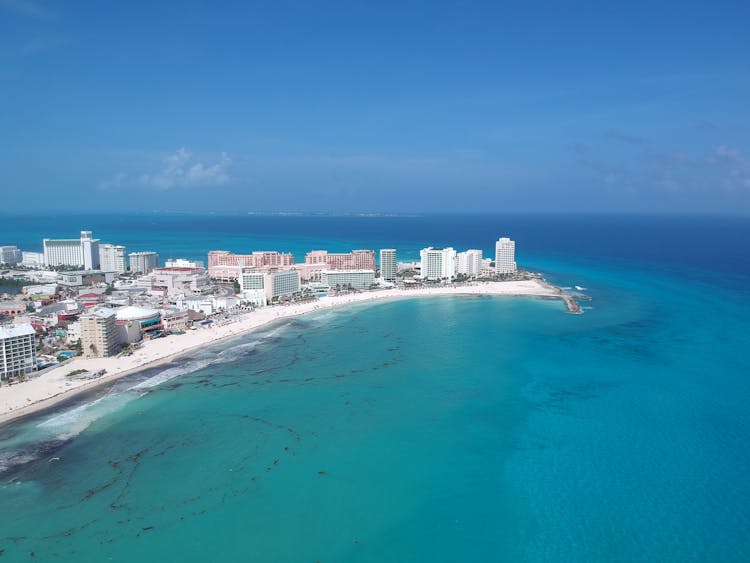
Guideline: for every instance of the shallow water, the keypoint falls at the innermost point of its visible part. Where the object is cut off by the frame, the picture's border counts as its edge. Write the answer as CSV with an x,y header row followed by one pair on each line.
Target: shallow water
x,y
438,429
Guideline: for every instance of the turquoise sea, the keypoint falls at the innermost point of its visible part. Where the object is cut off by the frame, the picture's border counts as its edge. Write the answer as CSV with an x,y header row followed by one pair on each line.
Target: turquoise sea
x,y
435,429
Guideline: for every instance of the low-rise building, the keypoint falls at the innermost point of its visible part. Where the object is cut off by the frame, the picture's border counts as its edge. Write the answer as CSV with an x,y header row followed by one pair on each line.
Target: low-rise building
x,y
40,289
73,332
487,270
85,277
32,259
173,281
17,351
183,263
174,319
353,279
147,319
12,308
129,332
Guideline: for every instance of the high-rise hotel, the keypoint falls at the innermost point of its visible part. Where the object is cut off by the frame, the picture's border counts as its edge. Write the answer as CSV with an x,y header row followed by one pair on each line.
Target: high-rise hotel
x,y
143,262
112,258
83,252
17,351
99,337
505,256
469,263
388,265
438,263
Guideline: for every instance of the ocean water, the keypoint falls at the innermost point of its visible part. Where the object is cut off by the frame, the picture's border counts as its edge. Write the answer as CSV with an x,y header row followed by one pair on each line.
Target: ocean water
x,y
436,429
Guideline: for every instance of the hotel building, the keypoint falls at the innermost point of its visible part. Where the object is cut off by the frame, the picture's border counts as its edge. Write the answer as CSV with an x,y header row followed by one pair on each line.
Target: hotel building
x,y
282,283
505,256
32,259
469,263
17,351
354,260
356,279
86,277
112,258
143,262
438,263
273,284
226,266
388,264
83,252
99,334
173,281
10,255
182,263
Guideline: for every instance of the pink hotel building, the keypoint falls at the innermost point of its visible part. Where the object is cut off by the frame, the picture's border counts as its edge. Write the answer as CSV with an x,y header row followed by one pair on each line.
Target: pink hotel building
x,y
354,260
227,266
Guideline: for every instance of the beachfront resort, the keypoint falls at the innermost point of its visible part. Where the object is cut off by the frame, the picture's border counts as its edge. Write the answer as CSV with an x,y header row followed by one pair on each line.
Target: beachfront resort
x,y
79,313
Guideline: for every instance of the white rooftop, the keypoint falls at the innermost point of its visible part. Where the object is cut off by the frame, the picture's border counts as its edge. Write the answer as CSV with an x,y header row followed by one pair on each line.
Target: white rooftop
x,y
102,313
20,330
132,313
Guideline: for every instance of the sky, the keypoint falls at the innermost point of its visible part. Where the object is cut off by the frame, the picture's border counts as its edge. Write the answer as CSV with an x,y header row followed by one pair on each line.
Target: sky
x,y
353,106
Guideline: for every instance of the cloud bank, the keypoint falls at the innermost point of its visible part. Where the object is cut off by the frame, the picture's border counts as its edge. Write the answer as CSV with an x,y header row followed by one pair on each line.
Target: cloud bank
x,y
179,170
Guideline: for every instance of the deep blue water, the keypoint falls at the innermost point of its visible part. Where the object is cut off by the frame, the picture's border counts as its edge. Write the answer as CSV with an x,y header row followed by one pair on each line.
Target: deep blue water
x,y
459,429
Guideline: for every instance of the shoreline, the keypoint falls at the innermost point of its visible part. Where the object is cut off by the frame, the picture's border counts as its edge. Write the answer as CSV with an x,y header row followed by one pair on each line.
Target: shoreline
x,y
37,394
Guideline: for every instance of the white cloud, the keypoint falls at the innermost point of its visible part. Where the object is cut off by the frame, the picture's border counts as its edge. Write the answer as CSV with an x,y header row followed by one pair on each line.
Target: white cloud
x,y
736,167
26,7
179,170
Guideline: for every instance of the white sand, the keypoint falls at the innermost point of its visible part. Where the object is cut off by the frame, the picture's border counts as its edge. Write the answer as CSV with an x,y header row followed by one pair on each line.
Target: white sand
x,y
45,390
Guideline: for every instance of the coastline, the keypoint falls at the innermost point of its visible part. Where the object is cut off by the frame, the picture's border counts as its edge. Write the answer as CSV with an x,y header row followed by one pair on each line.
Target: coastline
x,y
43,392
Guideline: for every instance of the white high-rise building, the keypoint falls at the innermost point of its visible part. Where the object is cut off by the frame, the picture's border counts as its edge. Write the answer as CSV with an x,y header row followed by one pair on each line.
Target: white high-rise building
x,y
143,262
10,255
438,263
89,251
17,351
469,263
505,256
273,284
252,287
388,264
112,258
281,283
83,252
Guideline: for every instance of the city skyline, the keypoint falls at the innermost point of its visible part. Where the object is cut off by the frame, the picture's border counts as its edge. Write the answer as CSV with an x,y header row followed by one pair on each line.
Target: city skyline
x,y
375,108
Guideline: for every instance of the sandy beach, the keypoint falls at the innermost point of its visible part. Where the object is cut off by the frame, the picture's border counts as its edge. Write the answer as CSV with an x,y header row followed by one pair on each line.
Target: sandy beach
x,y
55,386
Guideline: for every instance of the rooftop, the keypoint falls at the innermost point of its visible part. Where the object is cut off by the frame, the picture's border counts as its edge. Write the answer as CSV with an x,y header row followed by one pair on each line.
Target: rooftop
x,y
102,313
131,313
20,330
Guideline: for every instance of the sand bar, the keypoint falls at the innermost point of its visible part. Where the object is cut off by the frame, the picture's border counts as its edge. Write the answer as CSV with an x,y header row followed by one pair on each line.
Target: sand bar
x,y
46,390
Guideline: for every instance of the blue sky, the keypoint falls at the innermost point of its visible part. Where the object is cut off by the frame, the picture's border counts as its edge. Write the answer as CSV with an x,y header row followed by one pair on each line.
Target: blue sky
x,y
375,106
